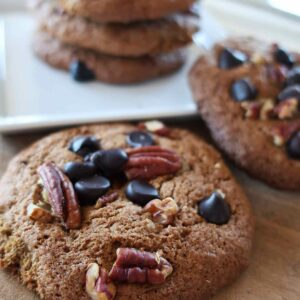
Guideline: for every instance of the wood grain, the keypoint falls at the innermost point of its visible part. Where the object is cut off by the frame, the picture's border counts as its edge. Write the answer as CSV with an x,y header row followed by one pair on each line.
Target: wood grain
x,y
275,269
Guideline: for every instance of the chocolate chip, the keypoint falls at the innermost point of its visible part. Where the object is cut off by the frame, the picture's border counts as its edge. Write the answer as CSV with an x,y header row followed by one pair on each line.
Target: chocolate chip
x,y
243,90
140,139
293,76
76,170
110,161
293,146
214,209
80,72
230,58
140,192
283,57
292,91
89,190
83,145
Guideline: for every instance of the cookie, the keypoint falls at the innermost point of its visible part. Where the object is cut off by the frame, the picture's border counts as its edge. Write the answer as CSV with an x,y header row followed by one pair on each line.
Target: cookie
x,y
248,94
124,12
123,211
136,39
89,65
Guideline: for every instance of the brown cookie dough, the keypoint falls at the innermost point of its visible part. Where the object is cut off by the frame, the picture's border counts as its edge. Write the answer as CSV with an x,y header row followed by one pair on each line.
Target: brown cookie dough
x,y
253,133
124,11
106,68
53,261
135,39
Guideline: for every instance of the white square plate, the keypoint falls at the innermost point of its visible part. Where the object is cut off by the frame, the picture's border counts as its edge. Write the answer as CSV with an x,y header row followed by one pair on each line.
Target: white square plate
x,y
33,95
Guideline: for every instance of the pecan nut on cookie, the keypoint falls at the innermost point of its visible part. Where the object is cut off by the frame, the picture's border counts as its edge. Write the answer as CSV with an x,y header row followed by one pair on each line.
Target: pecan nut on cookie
x,y
116,211
248,93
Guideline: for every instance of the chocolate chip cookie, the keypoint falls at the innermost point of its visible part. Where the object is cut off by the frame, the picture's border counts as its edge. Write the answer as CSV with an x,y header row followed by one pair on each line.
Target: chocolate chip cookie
x,y
248,93
135,39
124,11
86,65
120,211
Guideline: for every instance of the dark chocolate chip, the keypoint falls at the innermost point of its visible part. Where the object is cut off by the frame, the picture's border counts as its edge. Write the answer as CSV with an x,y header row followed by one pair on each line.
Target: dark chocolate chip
x,y
140,192
76,170
243,90
289,92
283,57
293,146
230,58
84,145
214,209
89,190
293,76
110,161
139,139
80,72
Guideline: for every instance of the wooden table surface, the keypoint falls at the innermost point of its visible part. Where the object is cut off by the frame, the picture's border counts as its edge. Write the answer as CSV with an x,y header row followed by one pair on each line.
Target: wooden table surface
x,y
275,269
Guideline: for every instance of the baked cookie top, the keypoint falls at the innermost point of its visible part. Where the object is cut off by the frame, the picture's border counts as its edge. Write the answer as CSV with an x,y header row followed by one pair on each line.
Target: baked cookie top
x,y
248,93
124,11
125,212
134,39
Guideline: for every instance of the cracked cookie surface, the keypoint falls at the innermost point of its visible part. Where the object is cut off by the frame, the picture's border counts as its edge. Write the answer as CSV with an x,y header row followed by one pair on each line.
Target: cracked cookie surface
x,y
110,69
124,11
53,261
136,39
253,128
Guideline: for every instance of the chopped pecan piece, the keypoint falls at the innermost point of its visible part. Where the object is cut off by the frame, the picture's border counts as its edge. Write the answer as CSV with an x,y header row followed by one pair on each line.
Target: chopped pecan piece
x,y
60,194
252,109
38,213
267,109
156,127
162,211
277,73
98,285
282,133
287,109
102,201
136,266
151,162
258,59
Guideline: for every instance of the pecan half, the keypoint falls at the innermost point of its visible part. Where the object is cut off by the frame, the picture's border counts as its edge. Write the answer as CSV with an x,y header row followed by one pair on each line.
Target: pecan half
x,y
156,127
98,285
151,162
134,266
162,211
59,192
282,133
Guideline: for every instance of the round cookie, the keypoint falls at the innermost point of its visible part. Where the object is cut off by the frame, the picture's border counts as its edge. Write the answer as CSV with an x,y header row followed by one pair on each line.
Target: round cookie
x,y
194,257
242,91
136,39
124,11
106,68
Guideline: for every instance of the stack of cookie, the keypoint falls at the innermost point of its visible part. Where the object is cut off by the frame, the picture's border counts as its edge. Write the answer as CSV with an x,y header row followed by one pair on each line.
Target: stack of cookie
x,y
112,40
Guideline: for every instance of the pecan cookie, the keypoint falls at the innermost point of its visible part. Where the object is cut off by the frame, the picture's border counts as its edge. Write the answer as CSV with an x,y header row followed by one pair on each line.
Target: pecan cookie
x,y
135,39
119,211
124,11
86,65
248,93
